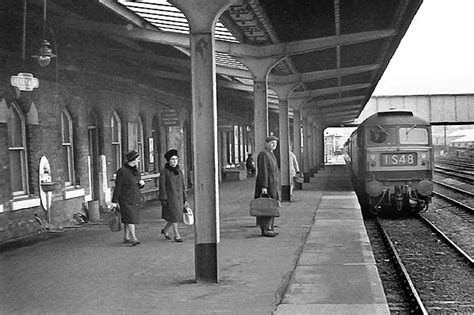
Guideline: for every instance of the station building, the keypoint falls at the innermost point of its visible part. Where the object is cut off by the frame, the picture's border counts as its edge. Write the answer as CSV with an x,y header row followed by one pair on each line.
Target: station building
x,y
83,111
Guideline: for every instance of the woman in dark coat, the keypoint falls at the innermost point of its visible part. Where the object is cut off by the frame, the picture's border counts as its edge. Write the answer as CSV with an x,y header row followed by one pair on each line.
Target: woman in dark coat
x,y
267,182
127,196
172,194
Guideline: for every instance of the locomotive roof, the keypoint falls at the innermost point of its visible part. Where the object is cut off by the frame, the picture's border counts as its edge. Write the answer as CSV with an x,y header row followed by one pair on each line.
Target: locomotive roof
x,y
394,118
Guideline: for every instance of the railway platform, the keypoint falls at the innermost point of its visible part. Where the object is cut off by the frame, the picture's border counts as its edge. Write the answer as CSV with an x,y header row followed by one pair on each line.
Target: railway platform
x,y
320,263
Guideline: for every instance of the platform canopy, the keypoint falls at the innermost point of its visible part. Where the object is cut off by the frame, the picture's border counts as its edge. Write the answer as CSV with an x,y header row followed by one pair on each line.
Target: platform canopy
x,y
335,50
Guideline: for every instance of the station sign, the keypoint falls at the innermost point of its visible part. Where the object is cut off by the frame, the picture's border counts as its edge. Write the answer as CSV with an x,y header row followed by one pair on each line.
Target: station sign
x,y
170,117
24,81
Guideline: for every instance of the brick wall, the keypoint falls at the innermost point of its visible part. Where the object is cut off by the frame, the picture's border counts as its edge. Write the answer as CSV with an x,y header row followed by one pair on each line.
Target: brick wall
x,y
43,137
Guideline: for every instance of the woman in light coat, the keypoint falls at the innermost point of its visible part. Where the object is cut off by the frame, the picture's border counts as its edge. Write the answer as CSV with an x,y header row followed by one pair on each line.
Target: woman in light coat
x,y
172,195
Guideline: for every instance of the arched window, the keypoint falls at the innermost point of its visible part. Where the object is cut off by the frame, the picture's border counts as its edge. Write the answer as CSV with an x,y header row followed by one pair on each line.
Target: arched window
x,y
116,129
141,147
17,151
68,152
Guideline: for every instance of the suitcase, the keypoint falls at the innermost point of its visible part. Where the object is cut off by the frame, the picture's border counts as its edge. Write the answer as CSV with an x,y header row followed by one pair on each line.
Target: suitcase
x,y
265,207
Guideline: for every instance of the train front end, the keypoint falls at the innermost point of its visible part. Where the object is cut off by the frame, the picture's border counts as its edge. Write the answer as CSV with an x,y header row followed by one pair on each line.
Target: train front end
x,y
399,164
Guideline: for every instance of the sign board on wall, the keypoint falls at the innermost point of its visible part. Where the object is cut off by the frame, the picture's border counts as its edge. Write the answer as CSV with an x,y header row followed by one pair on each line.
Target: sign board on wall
x,y
24,81
151,149
170,117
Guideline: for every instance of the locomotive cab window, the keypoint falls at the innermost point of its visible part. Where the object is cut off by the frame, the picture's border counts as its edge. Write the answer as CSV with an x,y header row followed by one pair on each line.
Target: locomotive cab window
x,y
381,135
413,135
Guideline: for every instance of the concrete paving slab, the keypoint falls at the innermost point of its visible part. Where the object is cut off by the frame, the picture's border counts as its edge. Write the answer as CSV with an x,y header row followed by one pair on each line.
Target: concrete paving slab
x,y
350,284
339,203
331,309
336,231
337,255
340,214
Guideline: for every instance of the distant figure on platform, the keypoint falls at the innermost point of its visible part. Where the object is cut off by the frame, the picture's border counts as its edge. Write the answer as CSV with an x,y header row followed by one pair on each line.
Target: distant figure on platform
x,y
267,182
250,164
294,170
172,195
127,196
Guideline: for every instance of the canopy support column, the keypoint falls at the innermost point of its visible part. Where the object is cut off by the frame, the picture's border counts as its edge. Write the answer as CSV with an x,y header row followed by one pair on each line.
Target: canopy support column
x,y
202,15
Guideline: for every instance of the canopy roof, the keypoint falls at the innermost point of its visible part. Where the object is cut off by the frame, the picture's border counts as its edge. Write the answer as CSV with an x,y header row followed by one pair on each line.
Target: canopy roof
x,y
333,52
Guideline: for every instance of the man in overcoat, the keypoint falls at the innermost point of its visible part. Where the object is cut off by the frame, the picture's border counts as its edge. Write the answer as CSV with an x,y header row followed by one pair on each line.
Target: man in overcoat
x,y
267,182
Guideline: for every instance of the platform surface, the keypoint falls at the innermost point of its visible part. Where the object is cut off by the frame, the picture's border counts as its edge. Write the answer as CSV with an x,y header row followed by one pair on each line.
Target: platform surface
x,y
320,263
336,271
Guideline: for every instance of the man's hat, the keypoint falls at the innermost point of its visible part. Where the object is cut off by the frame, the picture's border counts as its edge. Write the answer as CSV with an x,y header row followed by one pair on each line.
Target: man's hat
x,y
132,155
271,138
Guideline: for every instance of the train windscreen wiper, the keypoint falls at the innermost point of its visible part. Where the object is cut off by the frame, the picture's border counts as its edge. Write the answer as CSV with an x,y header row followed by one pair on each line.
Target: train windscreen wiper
x,y
383,130
411,128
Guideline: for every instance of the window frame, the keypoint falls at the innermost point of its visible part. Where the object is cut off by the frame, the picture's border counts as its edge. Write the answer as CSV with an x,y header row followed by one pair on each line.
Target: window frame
x,y
69,145
410,129
140,145
116,146
22,149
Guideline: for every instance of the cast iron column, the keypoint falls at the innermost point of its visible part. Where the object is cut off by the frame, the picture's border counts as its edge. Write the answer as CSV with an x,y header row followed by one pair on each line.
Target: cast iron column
x,y
202,15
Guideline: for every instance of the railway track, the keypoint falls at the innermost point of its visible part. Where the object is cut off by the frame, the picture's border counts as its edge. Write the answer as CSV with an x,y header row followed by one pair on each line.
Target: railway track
x,y
465,176
463,164
447,240
452,211
462,200
436,276
415,303
462,169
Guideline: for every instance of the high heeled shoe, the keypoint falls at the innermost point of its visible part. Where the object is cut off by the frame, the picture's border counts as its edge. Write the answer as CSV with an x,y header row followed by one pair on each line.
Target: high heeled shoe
x,y
167,236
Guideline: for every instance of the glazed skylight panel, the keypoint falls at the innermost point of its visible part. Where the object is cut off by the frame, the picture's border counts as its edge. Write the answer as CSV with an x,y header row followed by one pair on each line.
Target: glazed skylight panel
x,y
225,60
170,19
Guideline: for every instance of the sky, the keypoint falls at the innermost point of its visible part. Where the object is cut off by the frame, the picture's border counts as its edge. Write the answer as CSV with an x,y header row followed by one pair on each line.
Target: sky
x,y
436,55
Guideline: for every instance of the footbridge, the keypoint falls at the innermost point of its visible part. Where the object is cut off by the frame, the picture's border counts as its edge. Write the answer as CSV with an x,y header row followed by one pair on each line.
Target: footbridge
x,y
445,109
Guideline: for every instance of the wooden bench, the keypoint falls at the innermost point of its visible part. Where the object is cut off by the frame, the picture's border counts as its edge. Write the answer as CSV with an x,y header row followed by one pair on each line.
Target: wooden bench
x,y
151,189
235,174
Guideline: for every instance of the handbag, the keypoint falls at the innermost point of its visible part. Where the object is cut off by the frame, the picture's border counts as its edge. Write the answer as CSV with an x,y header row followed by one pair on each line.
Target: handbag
x,y
265,207
299,179
114,220
188,216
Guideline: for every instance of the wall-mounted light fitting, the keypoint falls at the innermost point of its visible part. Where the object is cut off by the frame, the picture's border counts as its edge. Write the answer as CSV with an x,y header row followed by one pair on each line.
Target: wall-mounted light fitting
x,y
44,54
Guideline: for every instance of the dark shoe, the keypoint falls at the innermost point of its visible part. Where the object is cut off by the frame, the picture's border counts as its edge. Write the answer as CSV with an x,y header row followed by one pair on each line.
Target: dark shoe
x,y
178,239
167,236
126,240
269,233
135,243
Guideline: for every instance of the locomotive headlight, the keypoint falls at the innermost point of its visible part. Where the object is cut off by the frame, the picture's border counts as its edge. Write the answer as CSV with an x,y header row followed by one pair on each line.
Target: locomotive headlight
x,y
424,158
425,188
372,159
374,188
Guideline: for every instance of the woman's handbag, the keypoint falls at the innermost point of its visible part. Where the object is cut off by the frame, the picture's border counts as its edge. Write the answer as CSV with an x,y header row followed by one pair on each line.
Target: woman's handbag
x,y
265,207
114,220
188,216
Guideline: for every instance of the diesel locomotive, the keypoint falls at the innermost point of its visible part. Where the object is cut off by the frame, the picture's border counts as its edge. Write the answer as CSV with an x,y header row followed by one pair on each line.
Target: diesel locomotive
x,y
390,156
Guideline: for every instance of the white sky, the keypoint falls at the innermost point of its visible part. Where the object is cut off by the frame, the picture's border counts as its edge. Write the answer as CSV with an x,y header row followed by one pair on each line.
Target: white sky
x,y
436,55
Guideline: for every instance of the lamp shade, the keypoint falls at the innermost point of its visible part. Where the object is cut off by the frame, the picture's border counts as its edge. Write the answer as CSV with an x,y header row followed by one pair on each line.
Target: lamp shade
x,y
44,54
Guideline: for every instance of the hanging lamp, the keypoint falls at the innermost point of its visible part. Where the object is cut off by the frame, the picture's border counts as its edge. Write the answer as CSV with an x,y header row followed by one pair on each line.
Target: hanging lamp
x,y
45,54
